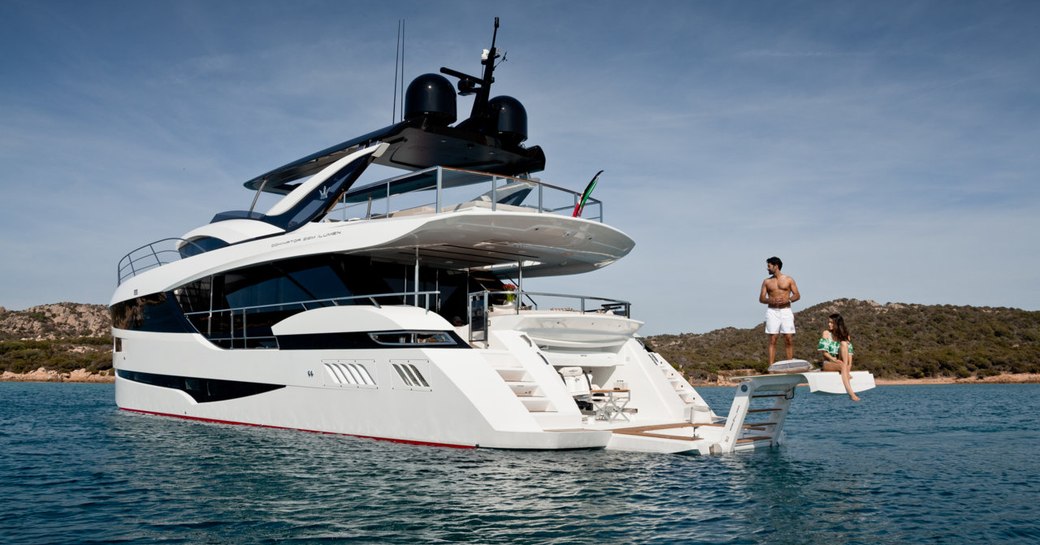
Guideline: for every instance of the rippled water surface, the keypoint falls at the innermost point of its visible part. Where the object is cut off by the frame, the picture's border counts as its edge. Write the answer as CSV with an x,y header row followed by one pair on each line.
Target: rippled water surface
x,y
911,464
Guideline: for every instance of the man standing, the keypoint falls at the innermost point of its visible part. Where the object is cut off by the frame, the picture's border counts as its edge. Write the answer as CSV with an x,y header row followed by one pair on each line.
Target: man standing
x,y
778,292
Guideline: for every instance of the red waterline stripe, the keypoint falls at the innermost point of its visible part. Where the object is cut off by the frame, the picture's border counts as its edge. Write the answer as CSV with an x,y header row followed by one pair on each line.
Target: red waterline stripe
x,y
214,421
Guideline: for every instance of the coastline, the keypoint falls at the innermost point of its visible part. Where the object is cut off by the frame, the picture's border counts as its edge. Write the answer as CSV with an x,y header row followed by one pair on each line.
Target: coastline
x,y
1004,378
106,376
47,375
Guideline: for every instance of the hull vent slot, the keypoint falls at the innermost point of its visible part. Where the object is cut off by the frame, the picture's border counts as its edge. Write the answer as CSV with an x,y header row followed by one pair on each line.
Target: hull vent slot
x,y
410,375
350,374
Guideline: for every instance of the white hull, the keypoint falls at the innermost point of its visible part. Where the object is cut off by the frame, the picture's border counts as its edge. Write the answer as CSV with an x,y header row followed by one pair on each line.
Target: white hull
x,y
497,398
503,397
467,403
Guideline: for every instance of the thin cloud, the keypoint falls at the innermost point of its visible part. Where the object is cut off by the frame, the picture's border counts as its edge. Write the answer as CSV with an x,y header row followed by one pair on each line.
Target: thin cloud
x,y
867,145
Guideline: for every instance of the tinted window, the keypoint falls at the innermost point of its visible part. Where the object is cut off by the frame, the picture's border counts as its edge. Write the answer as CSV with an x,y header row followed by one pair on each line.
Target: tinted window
x,y
155,312
272,284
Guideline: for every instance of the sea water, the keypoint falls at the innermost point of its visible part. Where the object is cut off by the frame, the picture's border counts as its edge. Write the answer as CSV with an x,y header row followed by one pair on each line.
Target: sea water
x,y
909,464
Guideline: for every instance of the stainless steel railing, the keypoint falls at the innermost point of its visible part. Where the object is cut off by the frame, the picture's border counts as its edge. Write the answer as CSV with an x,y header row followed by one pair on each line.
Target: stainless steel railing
x,y
150,256
481,303
230,327
438,190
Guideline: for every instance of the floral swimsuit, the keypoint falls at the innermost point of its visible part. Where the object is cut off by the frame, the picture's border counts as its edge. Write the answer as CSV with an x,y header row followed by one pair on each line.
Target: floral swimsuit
x,y
832,347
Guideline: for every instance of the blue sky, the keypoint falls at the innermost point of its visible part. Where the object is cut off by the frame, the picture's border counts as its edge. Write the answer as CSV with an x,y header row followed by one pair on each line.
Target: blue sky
x,y
884,150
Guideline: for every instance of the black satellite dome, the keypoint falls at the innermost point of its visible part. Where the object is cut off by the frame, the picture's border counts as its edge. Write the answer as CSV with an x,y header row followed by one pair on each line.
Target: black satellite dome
x,y
509,119
431,96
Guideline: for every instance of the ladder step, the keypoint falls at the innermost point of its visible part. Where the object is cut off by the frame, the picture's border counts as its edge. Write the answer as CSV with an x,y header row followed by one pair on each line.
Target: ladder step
x,y
768,395
648,431
769,410
657,427
662,436
537,404
754,438
513,374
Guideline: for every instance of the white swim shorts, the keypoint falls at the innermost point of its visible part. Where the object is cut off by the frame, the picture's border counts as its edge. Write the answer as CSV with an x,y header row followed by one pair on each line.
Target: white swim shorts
x,y
779,320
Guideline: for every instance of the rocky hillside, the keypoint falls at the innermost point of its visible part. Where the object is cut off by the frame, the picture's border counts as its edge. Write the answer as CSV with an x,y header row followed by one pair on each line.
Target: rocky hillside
x,y
60,338
55,321
892,341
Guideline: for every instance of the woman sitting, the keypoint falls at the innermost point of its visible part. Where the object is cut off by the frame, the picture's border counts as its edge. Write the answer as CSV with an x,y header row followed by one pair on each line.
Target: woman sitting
x,y
836,347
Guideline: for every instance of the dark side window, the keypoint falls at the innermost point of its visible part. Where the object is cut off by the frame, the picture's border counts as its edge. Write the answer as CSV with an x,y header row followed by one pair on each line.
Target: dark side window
x,y
278,283
156,312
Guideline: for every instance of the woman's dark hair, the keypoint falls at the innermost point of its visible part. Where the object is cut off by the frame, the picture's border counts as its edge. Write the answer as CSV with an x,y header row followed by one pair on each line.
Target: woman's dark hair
x,y
841,333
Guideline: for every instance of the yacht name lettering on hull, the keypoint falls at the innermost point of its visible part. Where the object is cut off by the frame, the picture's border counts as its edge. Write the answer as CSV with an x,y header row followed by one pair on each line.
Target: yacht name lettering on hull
x,y
305,239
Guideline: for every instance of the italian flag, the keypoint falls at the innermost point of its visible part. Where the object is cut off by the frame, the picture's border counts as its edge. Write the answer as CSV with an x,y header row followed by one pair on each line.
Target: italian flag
x,y
578,208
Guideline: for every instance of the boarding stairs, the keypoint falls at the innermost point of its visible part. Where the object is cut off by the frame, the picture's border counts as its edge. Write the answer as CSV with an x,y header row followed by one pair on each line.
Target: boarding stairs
x,y
758,412
680,385
520,381
755,420
676,379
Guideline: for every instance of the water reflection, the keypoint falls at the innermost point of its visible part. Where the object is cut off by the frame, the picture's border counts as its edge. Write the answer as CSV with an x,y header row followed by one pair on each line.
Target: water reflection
x,y
895,469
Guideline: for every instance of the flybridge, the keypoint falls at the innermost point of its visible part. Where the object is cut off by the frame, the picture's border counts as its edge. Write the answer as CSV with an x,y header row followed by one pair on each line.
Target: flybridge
x,y
429,191
489,140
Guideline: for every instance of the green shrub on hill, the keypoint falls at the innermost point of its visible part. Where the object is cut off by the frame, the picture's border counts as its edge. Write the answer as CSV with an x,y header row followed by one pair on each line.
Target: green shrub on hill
x,y
892,341
63,355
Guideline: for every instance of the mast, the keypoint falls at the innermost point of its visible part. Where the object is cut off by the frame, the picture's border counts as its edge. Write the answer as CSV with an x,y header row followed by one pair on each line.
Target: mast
x,y
469,85
488,140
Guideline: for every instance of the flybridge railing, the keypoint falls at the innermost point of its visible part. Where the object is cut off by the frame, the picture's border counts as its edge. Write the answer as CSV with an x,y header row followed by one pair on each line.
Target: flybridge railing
x,y
439,190
151,256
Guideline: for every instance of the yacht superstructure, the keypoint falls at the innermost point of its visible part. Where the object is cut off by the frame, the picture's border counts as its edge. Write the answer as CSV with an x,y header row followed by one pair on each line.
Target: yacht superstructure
x,y
397,309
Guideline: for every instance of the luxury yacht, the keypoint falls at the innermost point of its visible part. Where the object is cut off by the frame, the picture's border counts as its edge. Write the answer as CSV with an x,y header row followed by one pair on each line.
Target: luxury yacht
x,y
397,309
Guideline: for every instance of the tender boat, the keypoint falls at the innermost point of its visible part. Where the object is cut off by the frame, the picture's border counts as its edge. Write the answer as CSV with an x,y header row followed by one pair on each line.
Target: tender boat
x,y
397,309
